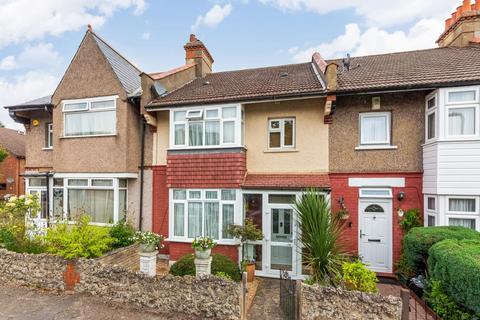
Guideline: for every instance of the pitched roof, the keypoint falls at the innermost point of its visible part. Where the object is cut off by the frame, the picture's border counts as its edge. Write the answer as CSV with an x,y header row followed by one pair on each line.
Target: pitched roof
x,y
13,141
413,69
286,181
43,101
163,74
248,84
127,73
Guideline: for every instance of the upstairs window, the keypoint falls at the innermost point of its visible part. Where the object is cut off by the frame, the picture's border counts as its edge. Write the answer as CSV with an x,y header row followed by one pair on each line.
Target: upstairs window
x,y
281,133
375,129
90,117
461,121
462,96
431,121
208,127
49,136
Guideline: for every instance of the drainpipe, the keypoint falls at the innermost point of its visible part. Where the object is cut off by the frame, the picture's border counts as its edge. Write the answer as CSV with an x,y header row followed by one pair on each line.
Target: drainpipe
x,y
142,169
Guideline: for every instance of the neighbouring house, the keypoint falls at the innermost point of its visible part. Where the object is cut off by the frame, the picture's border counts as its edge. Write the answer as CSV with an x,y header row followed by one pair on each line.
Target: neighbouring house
x,y
12,167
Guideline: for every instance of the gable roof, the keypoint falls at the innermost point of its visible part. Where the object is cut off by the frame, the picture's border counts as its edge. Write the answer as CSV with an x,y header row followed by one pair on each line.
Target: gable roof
x,y
249,84
428,68
13,141
32,104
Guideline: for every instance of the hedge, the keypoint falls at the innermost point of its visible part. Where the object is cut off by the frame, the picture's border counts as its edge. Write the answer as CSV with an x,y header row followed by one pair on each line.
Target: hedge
x,y
418,241
220,264
456,264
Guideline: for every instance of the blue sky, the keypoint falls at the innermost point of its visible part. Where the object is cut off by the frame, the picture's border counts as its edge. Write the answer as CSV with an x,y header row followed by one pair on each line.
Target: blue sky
x,y
39,38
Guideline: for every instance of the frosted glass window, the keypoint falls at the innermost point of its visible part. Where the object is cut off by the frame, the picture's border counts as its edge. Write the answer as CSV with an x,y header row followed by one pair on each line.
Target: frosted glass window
x,y
229,132
375,128
461,121
462,96
179,115
229,112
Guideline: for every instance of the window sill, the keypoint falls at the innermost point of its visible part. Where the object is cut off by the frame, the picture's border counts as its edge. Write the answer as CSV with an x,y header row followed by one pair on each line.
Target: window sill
x,y
280,150
90,136
218,242
365,148
47,149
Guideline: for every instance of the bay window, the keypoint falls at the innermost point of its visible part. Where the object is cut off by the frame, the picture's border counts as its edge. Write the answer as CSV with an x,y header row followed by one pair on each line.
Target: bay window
x,y
203,128
206,213
463,212
431,211
89,117
375,128
431,121
461,121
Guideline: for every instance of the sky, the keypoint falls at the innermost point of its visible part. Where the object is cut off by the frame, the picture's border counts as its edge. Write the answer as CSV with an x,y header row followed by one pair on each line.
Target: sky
x,y
39,38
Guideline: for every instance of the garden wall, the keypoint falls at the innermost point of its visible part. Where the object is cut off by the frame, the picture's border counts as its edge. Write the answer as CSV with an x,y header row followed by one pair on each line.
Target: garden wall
x,y
333,303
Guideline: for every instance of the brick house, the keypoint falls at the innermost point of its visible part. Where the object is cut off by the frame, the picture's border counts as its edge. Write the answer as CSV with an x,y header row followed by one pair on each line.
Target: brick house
x,y
12,167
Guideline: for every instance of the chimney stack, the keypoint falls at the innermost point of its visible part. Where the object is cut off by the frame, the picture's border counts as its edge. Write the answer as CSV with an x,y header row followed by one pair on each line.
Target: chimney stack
x,y
197,53
463,28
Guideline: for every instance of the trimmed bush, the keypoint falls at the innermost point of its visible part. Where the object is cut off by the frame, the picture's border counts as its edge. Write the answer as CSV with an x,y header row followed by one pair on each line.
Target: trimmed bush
x,y
456,265
220,264
122,233
356,276
443,305
418,241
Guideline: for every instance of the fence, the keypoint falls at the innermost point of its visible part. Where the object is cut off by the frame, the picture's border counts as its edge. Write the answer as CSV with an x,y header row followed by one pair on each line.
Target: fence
x,y
415,308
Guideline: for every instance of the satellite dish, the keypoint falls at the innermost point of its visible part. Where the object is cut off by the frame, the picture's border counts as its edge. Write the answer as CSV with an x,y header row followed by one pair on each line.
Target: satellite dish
x,y
158,89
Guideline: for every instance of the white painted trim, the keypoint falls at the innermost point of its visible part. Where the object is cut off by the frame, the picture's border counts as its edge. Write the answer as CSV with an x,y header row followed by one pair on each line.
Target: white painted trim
x,y
376,182
127,175
388,116
375,147
93,99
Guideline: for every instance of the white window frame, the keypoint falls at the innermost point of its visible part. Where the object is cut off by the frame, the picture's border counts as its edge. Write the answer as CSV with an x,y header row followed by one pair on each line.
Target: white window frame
x,y
464,216
385,143
49,142
461,89
447,209
281,129
429,112
88,109
388,193
237,214
430,212
202,119
476,121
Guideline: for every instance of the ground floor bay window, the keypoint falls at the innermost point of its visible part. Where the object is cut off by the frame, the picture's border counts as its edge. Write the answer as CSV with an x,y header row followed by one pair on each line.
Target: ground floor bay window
x,y
452,210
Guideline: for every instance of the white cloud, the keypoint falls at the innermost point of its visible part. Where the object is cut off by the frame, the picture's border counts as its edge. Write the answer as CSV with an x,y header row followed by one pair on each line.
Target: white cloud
x,y
8,63
214,16
375,41
32,85
35,19
32,56
378,13
146,36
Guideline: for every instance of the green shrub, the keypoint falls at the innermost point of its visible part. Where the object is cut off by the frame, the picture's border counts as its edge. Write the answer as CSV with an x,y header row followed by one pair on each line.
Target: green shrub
x,y
356,276
456,264
80,240
220,263
223,275
122,233
418,241
411,219
443,305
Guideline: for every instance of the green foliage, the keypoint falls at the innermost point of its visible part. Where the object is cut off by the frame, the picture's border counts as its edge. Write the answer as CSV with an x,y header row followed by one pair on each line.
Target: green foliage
x,y
356,276
203,243
418,241
403,269
220,263
456,264
80,240
148,238
122,233
320,233
309,281
248,232
3,154
443,305
223,275
411,219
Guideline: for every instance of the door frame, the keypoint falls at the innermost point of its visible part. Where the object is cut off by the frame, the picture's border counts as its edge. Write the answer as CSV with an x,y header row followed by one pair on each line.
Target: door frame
x,y
389,220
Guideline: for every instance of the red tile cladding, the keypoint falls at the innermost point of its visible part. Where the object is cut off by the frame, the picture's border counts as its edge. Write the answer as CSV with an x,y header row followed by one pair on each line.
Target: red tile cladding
x,y
206,170
160,203
413,199
179,249
286,181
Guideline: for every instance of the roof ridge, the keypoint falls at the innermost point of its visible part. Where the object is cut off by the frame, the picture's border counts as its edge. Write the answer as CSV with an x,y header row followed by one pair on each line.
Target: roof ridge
x,y
261,68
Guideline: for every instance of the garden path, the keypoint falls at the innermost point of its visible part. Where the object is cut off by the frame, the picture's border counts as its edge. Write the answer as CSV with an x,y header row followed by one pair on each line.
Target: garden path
x,y
266,302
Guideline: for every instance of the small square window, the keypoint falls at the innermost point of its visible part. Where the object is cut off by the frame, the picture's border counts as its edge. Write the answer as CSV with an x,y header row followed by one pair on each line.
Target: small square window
x,y
228,195
211,114
122,183
58,182
37,182
229,112
107,104
194,194
102,183
462,96
194,114
179,115
281,133
78,182
430,221
462,205
431,103
431,203
211,195
75,106
179,194
375,128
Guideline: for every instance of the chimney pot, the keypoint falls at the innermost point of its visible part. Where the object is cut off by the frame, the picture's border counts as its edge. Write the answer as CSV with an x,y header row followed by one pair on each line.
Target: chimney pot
x,y
89,26
193,38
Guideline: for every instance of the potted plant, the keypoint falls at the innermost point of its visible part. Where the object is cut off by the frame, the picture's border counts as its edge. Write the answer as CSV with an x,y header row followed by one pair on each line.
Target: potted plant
x,y
149,241
203,247
247,232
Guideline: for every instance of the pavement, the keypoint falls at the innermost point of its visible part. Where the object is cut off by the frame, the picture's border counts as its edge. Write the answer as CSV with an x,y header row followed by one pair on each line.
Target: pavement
x,y
32,304
266,304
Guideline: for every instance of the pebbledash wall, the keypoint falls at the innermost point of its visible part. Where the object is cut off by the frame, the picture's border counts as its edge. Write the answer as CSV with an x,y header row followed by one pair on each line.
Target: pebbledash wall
x,y
208,297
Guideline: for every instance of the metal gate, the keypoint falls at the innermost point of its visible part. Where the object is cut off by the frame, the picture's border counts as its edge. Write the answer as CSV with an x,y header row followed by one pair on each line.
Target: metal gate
x,y
288,296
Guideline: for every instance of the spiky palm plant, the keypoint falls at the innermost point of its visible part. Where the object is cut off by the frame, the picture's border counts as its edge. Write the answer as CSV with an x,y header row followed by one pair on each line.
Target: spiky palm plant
x,y
319,235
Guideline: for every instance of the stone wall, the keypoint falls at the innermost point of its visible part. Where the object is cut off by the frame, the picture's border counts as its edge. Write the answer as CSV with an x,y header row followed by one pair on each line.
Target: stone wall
x,y
327,303
38,270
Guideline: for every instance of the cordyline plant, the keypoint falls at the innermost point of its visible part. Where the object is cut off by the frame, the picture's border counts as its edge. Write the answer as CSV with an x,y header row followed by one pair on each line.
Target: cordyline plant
x,y
319,236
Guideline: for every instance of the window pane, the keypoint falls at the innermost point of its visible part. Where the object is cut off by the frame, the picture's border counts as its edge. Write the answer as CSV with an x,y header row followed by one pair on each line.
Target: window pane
x,y
179,115
228,194
102,183
281,198
252,204
98,204
461,121
75,106
179,134
275,124
467,223
212,133
375,192
58,203
178,219
122,183
122,205
195,132
179,194
374,129
431,126
211,195
212,113
431,103
461,205
58,182
462,96
229,131
90,123
102,104
227,220
194,219
288,133
194,194
229,112
37,182
274,140
78,182
431,221
211,219
431,203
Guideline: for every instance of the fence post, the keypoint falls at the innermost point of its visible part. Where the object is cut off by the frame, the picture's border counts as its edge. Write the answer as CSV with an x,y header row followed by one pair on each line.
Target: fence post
x,y
243,298
405,295
298,299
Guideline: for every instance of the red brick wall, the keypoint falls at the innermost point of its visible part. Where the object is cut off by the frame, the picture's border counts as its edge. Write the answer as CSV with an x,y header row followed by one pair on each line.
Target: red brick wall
x,y
413,199
206,170
12,167
160,202
179,249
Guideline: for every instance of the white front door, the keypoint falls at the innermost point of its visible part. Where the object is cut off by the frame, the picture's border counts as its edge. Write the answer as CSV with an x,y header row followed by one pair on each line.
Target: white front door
x,y
281,238
375,234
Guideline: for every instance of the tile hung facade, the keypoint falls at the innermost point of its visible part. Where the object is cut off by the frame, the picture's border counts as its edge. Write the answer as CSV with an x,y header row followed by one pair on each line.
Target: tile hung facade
x,y
376,135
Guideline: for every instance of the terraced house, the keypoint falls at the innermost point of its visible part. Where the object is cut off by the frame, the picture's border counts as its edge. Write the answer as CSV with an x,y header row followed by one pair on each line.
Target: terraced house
x,y
376,135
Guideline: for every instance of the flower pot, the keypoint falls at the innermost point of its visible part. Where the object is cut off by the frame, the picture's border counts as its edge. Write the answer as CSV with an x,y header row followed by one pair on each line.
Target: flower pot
x,y
203,254
250,268
148,247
